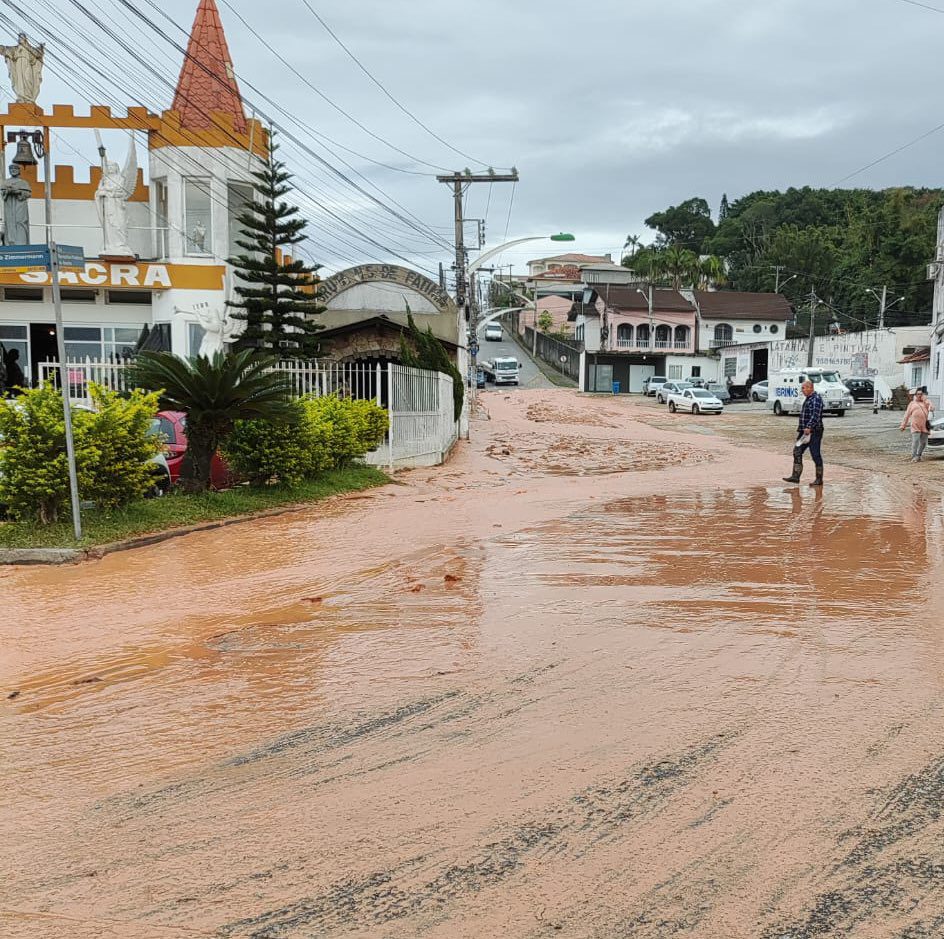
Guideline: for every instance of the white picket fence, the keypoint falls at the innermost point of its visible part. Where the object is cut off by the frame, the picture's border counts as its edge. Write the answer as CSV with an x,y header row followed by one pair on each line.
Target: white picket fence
x,y
419,403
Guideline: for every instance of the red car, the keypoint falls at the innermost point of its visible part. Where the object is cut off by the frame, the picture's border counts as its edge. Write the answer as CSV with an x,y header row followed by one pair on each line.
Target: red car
x,y
171,425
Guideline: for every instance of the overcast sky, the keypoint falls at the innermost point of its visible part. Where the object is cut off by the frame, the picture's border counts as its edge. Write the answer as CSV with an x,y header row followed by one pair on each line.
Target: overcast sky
x,y
610,111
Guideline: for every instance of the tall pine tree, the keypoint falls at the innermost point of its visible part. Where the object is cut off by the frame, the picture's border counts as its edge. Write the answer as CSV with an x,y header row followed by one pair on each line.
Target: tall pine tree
x,y
277,296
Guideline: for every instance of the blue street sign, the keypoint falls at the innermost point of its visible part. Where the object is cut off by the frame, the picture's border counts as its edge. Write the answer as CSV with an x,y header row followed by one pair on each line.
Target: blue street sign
x,y
24,258
71,258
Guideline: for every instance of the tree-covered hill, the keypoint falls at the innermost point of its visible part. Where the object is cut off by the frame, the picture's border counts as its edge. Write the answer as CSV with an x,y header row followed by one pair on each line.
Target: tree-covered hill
x,y
836,241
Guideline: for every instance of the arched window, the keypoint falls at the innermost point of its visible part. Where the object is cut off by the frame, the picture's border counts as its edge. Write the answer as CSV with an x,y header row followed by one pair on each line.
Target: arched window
x,y
624,335
681,337
642,336
724,333
663,337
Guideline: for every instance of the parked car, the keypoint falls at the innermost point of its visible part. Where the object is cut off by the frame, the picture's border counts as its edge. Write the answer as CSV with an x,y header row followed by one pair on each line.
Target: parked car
x,y
759,391
861,389
172,426
493,332
695,400
479,378
936,437
718,390
653,383
669,388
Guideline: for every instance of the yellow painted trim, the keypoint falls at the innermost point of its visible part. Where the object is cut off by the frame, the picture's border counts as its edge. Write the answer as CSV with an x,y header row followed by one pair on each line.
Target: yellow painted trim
x,y
163,129
222,133
144,275
64,185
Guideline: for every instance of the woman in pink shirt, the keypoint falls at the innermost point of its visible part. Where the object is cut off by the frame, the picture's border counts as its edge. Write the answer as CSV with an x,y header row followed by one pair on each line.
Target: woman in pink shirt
x,y
918,418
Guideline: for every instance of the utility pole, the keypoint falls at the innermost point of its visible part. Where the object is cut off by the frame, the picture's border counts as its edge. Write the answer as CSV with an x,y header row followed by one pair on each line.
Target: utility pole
x,y
881,307
460,182
777,269
814,302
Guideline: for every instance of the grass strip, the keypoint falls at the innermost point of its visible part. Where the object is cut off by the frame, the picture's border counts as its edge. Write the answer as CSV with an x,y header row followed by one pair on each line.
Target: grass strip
x,y
179,510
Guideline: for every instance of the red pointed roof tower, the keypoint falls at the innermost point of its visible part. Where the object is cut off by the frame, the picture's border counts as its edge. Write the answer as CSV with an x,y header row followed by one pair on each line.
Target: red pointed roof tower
x,y
207,82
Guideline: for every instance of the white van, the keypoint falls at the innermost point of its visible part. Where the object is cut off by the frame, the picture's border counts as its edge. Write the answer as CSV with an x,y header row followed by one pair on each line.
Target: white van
x,y
502,371
784,395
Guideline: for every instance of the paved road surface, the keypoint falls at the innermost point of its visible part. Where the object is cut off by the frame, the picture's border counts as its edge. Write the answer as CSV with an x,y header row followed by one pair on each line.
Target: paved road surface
x,y
531,375
595,679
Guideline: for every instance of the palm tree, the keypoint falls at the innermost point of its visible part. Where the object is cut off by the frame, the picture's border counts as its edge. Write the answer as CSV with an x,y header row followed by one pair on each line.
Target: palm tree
x,y
713,271
632,242
214,393
680,265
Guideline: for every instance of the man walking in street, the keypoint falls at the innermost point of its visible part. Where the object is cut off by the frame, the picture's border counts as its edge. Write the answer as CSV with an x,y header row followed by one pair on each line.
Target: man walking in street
x,y
809,435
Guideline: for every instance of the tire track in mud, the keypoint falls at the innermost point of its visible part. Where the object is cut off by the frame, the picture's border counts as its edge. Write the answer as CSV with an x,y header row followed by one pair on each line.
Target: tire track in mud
x,y
891,872
570,828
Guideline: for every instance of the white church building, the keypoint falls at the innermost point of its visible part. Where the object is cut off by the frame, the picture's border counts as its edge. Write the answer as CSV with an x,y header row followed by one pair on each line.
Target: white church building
x,y
180,216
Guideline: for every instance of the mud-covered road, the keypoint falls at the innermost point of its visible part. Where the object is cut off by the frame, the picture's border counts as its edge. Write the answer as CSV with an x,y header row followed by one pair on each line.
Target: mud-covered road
x,y
594,678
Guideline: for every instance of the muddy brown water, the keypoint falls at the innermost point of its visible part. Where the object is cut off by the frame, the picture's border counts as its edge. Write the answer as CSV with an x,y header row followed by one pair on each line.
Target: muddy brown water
x,y
659,699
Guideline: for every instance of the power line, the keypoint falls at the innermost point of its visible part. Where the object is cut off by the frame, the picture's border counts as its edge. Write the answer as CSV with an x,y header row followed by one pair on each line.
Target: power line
x,y
133,9
382,87
82,94
162,78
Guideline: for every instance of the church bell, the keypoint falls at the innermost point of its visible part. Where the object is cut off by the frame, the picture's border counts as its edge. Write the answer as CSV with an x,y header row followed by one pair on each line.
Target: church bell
x,y
24,153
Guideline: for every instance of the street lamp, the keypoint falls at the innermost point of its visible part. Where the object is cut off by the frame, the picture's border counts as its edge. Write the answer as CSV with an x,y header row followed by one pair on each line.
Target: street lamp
x,y
477,263
482,258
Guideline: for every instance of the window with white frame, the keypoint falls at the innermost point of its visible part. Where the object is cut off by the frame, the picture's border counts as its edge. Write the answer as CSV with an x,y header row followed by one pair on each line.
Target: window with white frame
x,y
917,375
238,197
195,334
161,218
675,371
100,343
198,217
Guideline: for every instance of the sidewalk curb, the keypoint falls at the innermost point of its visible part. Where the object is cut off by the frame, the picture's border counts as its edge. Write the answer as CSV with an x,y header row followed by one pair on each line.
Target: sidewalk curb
x,y
34,556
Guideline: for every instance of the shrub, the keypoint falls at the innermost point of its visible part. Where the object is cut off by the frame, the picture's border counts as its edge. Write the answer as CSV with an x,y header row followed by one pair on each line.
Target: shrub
x,y
327,432
117,434
262,451
112,449
370,426
350,428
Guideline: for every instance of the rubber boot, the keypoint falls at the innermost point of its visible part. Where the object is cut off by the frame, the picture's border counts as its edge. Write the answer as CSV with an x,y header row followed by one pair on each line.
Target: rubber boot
x,y
797,472
819,477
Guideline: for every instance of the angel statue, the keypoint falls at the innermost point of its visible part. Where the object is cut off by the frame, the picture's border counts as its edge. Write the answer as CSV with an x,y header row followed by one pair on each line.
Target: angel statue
x,y
25,65
114,190
219,328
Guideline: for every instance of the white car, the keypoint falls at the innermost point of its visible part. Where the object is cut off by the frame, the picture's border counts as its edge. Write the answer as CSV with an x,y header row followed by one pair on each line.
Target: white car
x,y
759,391
670,388
493,332
652,384
695,400
936,437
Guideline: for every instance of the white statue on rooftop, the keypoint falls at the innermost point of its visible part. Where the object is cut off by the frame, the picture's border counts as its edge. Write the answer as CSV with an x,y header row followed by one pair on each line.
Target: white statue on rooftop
x,y
115,189
25,65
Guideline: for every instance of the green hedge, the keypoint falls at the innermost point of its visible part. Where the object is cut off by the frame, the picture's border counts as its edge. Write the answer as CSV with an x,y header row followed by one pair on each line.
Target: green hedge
x,y
327,433
112,450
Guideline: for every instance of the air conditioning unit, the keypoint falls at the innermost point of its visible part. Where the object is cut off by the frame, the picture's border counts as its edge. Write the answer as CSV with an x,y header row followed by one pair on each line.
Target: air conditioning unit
x,y
932,271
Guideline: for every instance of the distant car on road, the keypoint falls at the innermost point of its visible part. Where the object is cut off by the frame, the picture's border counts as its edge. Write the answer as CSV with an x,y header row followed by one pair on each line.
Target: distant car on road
x,y
493,332
652,384
479,378
759,391
502,370
670,388
695,400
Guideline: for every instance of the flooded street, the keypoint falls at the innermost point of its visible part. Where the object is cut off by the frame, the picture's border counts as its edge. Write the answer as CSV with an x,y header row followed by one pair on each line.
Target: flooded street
x,y
593,678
